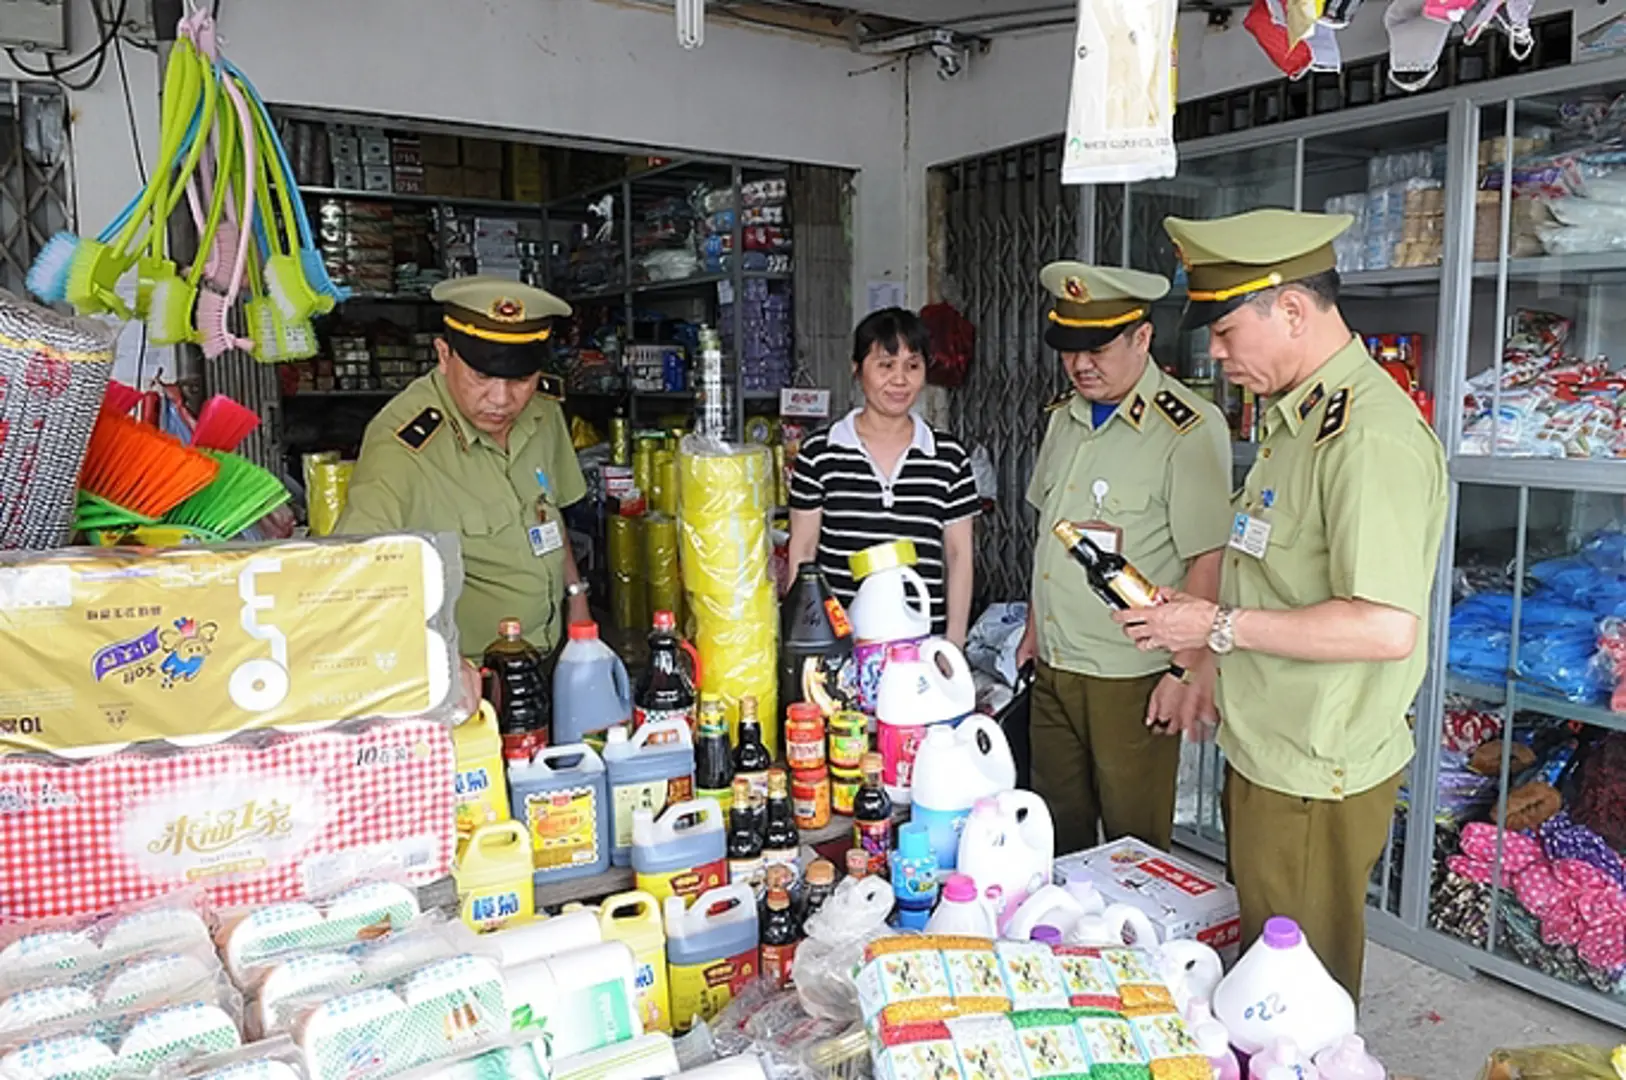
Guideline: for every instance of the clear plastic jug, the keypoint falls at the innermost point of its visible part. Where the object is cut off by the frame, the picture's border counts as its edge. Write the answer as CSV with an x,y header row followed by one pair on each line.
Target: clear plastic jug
x,y
591,691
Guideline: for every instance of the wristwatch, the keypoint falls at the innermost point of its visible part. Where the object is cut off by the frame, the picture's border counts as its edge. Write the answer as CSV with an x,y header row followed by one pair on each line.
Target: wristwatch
x,y
1222,635
575,589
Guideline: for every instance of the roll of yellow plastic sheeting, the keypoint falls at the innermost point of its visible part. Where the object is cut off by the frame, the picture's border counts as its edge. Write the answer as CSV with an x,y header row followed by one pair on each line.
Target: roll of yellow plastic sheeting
x,y
643,465
660,547
715,485
625,543
717,614
726,557
667,596
325,498
664,497
629,602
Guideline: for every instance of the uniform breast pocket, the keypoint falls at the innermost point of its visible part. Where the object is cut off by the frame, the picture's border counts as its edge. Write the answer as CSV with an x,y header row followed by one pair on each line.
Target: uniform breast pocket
x,y
487,537
1295,563
1137,510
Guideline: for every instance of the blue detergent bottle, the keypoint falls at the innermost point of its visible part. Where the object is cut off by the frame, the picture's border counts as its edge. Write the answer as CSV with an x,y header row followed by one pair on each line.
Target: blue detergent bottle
x,y
914,877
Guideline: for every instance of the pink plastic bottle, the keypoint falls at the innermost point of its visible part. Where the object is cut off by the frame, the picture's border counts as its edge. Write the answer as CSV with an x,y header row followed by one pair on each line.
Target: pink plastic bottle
x,y
1216,1047
1347,1059
1282,1056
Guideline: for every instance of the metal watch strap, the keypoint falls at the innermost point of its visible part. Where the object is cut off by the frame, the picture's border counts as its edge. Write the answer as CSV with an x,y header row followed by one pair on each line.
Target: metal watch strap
x,y
1222,635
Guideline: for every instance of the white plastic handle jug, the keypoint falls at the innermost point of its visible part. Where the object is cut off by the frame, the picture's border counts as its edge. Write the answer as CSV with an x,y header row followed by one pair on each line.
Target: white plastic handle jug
x,y
987,745
1033,824
957,687
1108,928
722,906
1050,905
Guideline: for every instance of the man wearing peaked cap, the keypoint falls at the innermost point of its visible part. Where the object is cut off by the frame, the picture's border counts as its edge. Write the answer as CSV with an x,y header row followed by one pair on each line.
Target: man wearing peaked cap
x,y
1321,630
1141,465
480,447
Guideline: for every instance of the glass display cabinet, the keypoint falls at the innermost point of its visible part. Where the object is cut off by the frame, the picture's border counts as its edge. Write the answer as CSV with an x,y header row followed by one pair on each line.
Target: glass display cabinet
x,y
1483,271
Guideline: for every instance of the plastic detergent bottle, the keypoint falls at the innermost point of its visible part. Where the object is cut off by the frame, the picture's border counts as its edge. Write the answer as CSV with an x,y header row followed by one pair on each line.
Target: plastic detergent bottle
x,y
1282,1060
1048,905
711,952
1347,1059
591,692
651,770
482,789
896,608
493,875
562,797
1008,849
683,852
954,767
634,919
814,639
961,910
914,877
1281,990
914,694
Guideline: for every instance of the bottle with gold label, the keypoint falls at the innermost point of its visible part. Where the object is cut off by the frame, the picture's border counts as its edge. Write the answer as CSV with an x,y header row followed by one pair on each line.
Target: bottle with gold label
x,y
1111,576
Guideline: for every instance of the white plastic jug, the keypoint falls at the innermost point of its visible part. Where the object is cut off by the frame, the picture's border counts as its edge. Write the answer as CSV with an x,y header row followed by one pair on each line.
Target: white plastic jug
x,y
1108,928
1347,1059
954,767
963,911
914,694
1008,848
1192,970
892,605
1281,990
1049,905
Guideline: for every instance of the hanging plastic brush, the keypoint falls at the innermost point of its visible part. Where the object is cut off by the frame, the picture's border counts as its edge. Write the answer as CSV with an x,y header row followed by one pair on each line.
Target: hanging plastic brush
x,y
214,308
134,474
294,296
240,495
169,310
290,338
310,257
223,424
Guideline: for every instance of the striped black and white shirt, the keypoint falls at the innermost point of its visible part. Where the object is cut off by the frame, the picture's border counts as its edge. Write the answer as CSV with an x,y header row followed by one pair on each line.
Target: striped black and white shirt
x,y
930,489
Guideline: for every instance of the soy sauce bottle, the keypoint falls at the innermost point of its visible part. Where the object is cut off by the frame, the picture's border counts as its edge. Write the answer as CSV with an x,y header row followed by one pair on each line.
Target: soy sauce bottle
x,y
781,840
780,937
512,679
751,758
872,818
745,865
666,691
713,765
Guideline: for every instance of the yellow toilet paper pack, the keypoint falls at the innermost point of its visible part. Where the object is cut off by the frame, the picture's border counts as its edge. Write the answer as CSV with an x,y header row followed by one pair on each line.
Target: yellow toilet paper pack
x,y
109,646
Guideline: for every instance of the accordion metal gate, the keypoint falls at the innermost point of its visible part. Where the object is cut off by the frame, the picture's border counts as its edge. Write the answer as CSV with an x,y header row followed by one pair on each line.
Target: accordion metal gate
x,y
36,196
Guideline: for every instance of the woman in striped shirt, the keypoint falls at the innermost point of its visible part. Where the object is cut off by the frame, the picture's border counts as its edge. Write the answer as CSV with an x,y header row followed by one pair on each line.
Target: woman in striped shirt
x,y
881,473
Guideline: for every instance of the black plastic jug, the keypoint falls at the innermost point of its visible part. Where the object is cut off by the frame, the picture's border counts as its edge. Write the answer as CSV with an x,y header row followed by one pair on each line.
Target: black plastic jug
x,y
816,644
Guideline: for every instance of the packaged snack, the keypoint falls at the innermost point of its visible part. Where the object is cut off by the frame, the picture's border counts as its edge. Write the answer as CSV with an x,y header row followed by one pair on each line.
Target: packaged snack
x,y
1032,975
974,975
917,1052
905,980
1171,1050
1087,978
1052,1047
988,1048
1138,983
1115,1052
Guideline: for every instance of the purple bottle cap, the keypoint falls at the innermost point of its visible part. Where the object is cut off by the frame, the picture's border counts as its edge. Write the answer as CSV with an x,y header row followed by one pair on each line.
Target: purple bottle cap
x,y
959,888
1282,932
1046,935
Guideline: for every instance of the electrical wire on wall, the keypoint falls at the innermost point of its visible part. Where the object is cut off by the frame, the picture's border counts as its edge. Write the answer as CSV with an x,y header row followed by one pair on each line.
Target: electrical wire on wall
x,y
107,33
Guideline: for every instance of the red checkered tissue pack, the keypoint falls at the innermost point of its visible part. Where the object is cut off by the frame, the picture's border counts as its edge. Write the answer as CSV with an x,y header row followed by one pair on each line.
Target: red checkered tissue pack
x,y
280,817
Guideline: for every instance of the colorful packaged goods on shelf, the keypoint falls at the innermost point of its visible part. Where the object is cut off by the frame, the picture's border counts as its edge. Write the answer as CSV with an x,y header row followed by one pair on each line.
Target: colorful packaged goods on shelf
x,y
120,645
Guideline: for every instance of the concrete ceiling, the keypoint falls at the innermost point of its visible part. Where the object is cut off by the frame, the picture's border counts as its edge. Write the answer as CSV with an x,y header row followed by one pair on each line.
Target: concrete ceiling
x,y
943,12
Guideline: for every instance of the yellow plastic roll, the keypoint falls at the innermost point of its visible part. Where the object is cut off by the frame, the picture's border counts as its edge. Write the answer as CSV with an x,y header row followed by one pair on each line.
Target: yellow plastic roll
x,y
325,498
781,496
724,557
720,614
664,495
625,545
308,462
643,465
713,485
629,602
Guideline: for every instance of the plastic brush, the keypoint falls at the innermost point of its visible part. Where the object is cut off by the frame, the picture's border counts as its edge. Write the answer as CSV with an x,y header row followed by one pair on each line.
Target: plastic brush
x,y
120,398
223,424
214,309
241,494
285,279
136,473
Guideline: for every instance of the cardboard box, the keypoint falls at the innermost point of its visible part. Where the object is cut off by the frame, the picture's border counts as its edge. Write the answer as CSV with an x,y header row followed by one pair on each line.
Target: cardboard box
x,y
348,177
442,150
409,180
375,151
344,149
527,173
406,153
442,180
480,183
483,154
1181,900
377,178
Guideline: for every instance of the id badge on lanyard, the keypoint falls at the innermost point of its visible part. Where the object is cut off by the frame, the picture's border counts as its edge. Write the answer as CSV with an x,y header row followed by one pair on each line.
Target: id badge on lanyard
x,y
547,535
1250,534
1109,538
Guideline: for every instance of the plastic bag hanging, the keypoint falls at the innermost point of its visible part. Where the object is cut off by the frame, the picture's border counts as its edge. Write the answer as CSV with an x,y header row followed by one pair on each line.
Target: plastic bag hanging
x,y
1120,117
1415,44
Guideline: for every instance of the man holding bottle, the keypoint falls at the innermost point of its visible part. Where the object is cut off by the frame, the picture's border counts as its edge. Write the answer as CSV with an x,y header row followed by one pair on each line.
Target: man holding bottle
x,y
1140,465
1321,629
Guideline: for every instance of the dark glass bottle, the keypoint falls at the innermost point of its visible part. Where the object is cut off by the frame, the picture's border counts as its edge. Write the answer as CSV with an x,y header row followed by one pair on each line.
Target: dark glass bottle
x,y
751,758
872,818
713,764
744,844
821,884
513,680
781,840
1111,576
665,691
780,936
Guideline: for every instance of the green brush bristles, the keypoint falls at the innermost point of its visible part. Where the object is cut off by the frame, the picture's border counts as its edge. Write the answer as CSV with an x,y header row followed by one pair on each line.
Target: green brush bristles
x,y
242,494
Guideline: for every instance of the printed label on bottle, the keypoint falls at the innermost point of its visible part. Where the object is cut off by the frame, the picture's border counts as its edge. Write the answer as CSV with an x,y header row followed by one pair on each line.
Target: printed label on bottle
x,y
686,884
778,963
564,827
651,795
724,798
702,990
752,872
899,746
780,857
1133,589
757,780
874,838
642,716
492,910
838,617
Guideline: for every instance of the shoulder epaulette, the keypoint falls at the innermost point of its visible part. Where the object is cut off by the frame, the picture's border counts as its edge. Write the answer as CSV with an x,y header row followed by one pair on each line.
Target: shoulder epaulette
x,y
551,387
1182,416
1336,418
416,433
1058,401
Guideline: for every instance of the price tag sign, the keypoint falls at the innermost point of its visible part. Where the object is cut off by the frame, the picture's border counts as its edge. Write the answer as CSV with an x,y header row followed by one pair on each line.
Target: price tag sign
x,y
805,404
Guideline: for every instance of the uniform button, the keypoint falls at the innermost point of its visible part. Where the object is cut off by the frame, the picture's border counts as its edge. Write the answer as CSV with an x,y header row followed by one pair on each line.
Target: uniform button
x,y
1339,773
1336,790
1047,577
1265,452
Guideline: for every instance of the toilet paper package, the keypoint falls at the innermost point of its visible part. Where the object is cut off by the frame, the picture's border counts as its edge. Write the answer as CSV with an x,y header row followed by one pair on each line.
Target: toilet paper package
x,y
146,980
131,1043
262,820
37,952
106,647
277,1058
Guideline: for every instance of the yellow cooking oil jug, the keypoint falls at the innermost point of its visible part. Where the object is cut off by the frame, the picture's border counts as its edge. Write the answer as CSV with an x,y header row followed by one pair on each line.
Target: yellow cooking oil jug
x,y
482,792
634,918
493,873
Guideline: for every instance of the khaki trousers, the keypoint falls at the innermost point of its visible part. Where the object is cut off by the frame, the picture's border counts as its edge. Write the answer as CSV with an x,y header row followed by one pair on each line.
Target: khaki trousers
x,y
1308,859
1095,761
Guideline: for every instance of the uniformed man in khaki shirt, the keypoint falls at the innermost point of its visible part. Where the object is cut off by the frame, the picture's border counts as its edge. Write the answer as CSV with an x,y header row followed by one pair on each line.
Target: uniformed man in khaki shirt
x,y
1321,629
1140,464
480,447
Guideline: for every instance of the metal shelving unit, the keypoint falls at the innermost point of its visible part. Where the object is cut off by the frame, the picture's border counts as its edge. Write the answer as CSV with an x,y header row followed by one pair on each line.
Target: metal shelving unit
x,y
1504,510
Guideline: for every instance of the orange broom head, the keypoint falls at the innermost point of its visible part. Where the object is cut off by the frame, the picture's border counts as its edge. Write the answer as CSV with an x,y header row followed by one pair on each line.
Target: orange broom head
x,y
141,469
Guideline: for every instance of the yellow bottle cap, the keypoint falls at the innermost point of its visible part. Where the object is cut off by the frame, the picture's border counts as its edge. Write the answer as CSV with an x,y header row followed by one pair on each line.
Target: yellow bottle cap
x,y
882,557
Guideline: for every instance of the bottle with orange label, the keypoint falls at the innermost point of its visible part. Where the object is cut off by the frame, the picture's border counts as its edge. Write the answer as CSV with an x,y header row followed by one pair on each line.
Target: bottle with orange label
x,y
682,853
816,638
